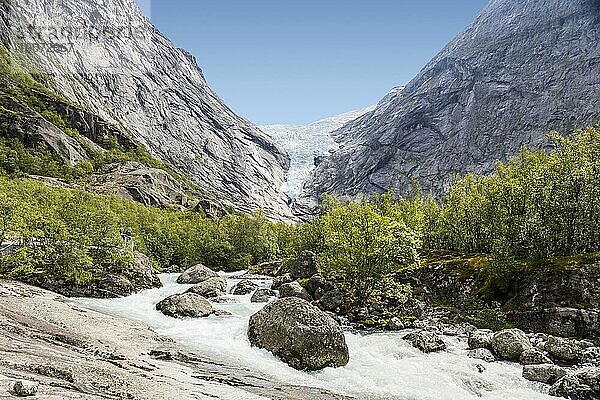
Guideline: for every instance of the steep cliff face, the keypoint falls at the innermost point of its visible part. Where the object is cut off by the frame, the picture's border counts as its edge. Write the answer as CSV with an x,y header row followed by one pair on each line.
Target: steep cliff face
x,y
106,56
522,69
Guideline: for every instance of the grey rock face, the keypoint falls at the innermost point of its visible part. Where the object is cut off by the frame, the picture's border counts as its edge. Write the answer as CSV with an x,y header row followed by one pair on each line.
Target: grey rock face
x,y
294,289
117,65
210,288
186,305
509,344
522,69
299,334
137,182
196,274
545,373
427,342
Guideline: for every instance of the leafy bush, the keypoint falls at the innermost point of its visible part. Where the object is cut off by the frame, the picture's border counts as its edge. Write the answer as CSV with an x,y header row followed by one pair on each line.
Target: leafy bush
x,y
362,247
537,205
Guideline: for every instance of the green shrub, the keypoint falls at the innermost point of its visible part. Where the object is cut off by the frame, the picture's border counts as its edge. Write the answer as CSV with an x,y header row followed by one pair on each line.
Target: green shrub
x,y
362,247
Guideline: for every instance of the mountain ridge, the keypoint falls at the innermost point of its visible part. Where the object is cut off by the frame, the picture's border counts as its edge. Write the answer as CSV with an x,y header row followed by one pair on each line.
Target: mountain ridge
x,y
110,59
468,108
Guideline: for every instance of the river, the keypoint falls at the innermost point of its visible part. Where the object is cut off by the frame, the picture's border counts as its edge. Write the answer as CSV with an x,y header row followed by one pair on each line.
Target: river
x,y
382,365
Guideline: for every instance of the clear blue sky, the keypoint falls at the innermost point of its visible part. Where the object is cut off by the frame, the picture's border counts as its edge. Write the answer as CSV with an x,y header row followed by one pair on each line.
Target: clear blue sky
x,y
295,61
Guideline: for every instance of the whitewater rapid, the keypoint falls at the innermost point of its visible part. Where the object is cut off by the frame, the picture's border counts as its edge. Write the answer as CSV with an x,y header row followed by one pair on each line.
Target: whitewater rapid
x,y
382,365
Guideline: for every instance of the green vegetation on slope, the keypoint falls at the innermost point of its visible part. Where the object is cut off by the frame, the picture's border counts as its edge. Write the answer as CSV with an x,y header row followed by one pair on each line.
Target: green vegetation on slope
x,y
537,206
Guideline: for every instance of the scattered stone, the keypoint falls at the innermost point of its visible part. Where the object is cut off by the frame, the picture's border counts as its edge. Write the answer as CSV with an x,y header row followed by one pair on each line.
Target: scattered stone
x,y
480,368
427,342
509,344
174,269
210,288
544,373
395,324
533,357
481,354
294,289
563,349
317,282
25,388
184,305
299,334
224,300
221,313
244,287
581,385
197,274
280,280
481,339
262,296
590,355
305,266
332,300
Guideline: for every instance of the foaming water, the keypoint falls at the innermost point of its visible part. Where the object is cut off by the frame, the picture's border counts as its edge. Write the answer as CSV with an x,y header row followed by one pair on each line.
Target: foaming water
x,y
382,366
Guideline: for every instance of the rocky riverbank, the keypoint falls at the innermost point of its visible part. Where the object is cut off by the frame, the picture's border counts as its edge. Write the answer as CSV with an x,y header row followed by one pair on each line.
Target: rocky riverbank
x,y
73,353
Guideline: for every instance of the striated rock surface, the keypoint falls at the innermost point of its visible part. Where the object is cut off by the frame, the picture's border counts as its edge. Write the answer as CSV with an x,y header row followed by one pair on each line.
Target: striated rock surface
x,y
522,69
75,353
109,58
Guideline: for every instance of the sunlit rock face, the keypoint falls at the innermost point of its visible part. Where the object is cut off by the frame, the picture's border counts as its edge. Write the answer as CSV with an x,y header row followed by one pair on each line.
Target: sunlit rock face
x,y
107,56
522,69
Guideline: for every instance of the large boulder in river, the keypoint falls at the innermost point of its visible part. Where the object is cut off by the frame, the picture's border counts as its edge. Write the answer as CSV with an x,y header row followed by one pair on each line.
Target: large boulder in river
x,y
294,289
186,305
212,287
197,274
305,266
299,334
427,342
509,344
244,287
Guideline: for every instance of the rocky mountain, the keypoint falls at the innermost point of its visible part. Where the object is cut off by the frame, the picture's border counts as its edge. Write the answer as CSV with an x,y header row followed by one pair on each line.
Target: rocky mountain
x,y
307,145
520,70
107,58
